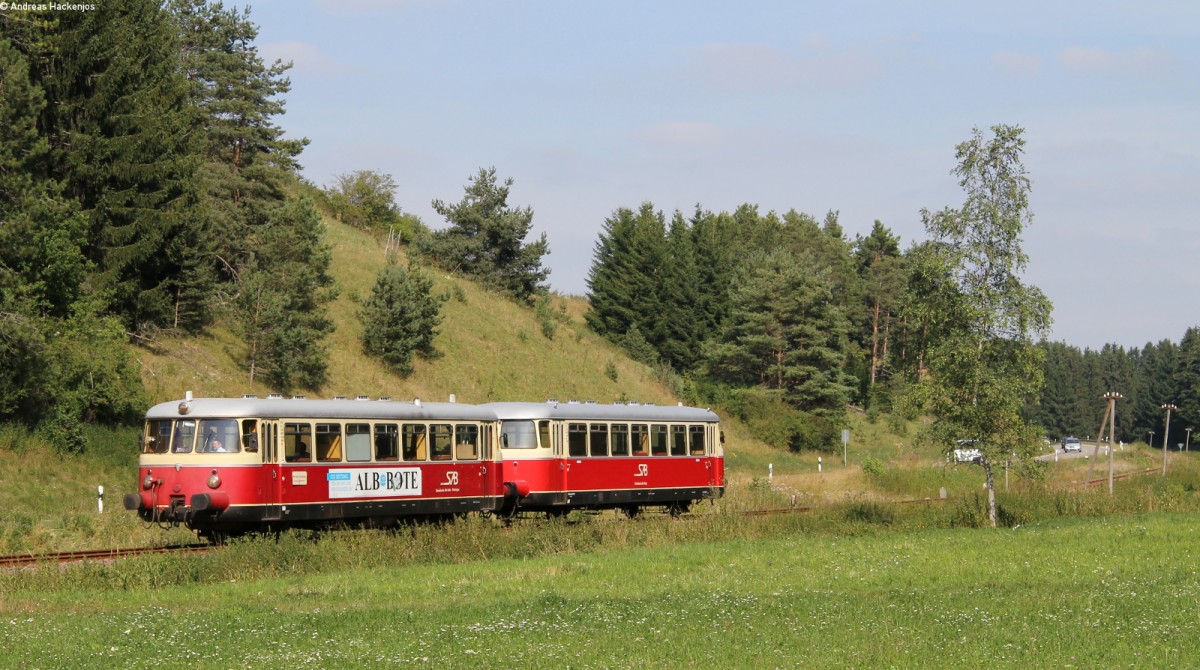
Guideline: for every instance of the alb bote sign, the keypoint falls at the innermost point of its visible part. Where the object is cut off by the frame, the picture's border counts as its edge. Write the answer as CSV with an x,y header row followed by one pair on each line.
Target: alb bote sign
x,y
374,482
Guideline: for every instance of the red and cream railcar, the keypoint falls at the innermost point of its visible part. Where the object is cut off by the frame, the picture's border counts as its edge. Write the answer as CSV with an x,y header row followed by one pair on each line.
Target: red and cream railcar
x,y
225,465
562,456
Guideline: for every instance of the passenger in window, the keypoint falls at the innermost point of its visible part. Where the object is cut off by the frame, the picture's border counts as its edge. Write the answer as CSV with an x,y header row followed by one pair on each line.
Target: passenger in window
x,y
216,445
302,454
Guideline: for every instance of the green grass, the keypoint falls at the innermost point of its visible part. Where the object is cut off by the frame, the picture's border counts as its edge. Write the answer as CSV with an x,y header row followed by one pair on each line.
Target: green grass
x,y
1080,593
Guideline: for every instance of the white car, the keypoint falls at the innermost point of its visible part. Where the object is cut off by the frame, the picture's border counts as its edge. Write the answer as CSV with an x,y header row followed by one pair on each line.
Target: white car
x,y
966,452
1070,444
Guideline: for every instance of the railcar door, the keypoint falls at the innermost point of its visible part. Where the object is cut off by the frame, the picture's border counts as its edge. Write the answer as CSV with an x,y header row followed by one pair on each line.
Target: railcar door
x,y
560,477
270,469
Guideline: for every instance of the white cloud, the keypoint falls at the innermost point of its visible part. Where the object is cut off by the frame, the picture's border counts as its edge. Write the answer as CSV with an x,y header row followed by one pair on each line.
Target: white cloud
x,y
1130,62
761,67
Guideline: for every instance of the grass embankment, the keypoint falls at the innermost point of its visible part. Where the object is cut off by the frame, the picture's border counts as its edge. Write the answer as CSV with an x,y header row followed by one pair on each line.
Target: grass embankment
x,y
491,348
1083,593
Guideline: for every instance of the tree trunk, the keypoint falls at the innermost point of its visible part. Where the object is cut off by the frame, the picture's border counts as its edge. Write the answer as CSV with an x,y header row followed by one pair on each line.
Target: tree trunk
x,y
991,491
874,342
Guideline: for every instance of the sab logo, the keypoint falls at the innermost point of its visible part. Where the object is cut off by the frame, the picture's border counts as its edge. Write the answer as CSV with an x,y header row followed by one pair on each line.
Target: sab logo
x,y
451,479
643,470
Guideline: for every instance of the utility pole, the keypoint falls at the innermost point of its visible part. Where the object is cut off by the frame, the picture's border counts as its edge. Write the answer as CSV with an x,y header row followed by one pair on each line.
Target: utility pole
x,y
1109,422
1166,430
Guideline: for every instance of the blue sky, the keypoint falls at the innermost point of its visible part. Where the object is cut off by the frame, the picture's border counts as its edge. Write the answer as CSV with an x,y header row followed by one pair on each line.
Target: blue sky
x,y
847,106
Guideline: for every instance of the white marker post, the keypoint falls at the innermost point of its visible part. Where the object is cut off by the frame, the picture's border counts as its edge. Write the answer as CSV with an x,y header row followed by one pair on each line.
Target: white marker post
x,y
100,500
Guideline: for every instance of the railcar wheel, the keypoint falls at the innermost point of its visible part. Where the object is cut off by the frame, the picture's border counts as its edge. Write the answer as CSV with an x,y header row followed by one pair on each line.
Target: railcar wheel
x,y
679,507
632,511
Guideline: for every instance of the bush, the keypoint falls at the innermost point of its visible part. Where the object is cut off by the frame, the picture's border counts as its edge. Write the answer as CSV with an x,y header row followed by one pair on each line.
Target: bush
x,y
773,421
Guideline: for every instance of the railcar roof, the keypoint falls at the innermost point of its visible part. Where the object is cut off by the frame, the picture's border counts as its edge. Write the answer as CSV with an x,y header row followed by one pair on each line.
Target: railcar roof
x,y
598,412
281,408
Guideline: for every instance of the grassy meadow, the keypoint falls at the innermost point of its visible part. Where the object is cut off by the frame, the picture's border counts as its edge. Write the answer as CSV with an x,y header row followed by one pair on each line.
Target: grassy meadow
x,y
1119,591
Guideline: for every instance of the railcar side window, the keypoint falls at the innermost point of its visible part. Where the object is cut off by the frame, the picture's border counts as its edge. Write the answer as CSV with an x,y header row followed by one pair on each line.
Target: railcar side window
x,y
158,436
358,442
297,439
696,440
387,442
544,434
443,441
185,436
658,442
466,442
598,439
329,442
641,439
414,442
620,439
250,435
518,435
679,440
577,439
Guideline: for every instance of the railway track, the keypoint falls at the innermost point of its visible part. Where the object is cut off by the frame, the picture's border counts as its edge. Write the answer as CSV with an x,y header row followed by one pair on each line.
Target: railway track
x,y
62,557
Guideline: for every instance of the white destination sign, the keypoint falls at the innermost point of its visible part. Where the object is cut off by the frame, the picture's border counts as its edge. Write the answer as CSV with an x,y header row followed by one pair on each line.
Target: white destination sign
x,y
374,482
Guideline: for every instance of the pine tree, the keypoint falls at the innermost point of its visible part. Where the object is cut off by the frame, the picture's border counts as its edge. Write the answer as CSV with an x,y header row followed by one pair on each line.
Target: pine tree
x,y
486,239
785,333
120,127
279,308
400,318
1187,380
624,282
677,318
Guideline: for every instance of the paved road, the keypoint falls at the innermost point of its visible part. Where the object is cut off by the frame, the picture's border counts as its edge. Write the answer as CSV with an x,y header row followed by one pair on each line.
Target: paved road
x,y
1087,449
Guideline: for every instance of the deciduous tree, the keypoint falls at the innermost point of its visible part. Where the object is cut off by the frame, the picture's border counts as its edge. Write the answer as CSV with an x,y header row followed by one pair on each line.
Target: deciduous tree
x,y
985,365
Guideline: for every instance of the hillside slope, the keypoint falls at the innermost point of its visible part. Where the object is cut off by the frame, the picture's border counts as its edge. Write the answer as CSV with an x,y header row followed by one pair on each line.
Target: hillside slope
x,y
492,348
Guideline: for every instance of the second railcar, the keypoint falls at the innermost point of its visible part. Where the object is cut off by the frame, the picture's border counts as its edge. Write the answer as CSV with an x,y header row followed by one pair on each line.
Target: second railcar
x,y
559,456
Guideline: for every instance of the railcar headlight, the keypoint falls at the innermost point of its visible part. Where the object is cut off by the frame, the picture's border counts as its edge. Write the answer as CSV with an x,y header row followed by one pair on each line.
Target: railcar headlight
x,y
214,480
147,482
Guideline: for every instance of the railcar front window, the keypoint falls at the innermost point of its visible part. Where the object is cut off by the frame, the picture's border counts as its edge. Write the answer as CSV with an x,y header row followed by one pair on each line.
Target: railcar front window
x,y
158,436
185,437
518,435
218,436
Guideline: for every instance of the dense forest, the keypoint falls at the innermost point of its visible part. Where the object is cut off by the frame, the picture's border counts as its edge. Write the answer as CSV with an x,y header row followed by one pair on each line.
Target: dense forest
x,y
147,186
